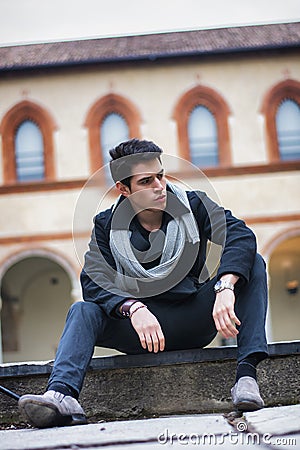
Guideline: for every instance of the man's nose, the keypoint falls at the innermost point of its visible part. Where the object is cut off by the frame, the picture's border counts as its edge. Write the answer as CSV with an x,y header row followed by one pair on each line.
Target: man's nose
x,y
158,184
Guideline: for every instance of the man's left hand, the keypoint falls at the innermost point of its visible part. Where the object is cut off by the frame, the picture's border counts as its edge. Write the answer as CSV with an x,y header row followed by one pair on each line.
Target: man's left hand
x,y
224,315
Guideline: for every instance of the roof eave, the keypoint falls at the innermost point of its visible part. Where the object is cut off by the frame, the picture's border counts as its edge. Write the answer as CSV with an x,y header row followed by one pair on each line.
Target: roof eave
x,y
151,57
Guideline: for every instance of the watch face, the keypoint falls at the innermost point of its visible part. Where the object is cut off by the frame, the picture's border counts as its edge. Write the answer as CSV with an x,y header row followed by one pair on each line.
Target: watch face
x,y
218,285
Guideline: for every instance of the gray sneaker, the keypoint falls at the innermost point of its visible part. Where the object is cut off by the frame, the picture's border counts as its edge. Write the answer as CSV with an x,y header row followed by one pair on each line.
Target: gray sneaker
x,y
51,409
245,395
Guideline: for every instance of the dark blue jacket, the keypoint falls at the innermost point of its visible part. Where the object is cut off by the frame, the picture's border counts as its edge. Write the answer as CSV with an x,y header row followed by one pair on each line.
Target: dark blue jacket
x,y
232,240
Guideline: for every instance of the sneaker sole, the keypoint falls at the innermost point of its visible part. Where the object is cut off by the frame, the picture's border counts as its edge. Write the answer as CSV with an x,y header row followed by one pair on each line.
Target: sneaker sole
x,y
248,406
43,415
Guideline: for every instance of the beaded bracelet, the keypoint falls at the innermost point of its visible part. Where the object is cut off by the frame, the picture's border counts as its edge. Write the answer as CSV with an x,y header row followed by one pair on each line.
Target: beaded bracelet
x,y
135,310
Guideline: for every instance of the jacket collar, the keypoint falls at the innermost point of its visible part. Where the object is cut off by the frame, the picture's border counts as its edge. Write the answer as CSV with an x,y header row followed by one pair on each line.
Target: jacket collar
x,y
175,208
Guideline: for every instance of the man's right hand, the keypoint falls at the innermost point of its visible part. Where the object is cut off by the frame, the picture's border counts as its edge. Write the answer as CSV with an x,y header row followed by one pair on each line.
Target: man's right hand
x,y
147,327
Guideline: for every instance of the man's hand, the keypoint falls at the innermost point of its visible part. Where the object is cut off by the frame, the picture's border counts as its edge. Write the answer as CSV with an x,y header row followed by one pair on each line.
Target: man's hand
x,y
223,312
148,328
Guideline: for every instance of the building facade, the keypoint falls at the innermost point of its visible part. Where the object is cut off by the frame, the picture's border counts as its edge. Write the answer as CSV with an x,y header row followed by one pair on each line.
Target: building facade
x,y
223,104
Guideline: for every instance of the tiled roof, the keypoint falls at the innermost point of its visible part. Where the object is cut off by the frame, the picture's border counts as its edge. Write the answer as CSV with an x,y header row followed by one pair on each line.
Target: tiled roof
x,y
151,46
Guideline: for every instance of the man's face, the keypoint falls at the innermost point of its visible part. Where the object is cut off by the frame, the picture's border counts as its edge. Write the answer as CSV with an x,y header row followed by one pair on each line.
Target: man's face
x,y
148,186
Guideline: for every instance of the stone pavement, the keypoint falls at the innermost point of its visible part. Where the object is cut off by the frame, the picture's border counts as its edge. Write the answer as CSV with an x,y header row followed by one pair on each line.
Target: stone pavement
x,y
270,428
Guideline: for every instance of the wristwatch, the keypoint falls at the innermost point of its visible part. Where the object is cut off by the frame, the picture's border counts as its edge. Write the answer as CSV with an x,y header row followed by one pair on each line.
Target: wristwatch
x,y
223,284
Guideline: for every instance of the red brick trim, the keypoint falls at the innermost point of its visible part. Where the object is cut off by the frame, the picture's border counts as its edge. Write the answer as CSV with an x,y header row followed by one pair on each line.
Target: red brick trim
x,y
272,219
281,166
26,110
9,240
203,95
285,166
97,113
287,89
40,186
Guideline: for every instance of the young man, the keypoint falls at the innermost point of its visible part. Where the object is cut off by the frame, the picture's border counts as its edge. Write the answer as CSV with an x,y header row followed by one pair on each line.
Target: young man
x,y
147,287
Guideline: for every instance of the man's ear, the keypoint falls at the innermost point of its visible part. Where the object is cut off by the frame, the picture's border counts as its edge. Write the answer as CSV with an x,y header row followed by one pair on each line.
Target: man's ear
x,y
123,189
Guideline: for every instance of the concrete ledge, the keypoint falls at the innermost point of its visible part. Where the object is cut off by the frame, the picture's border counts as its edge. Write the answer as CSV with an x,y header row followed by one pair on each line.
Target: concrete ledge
x,y
8,370
184,382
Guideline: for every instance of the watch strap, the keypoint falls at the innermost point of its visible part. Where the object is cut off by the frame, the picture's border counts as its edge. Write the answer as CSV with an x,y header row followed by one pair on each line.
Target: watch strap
x,y
126,307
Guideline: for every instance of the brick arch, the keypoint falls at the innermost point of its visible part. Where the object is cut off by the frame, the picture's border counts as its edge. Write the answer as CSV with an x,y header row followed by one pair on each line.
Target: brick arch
x,y
214,102
276,240
26,110
53,255
111,103
287,89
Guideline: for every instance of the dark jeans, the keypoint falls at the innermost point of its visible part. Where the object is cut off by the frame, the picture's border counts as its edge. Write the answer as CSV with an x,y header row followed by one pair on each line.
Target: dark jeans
x,y
186,324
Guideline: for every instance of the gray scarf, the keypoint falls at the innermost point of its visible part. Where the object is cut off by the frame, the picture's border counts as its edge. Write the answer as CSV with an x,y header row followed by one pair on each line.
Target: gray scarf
x,y
129,269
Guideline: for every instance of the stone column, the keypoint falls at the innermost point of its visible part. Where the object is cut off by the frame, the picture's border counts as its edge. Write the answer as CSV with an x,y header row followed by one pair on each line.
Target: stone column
x,y
1,353
76,294
269,318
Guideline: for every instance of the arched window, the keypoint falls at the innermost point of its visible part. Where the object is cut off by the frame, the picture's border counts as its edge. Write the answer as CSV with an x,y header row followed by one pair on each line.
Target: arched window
x,y
281,108
110,120
27,143
288,130
201,115
203,137
29,152
114,129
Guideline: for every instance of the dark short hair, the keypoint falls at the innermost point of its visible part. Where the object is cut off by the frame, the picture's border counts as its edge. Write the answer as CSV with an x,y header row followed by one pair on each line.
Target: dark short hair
x,y
127,154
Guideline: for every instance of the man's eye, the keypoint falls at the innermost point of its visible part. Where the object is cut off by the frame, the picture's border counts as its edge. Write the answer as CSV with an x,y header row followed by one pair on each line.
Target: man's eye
x,y
146,181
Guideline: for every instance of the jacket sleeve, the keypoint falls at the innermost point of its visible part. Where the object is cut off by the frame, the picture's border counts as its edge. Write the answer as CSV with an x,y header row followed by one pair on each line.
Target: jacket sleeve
x,y
237,241
98,274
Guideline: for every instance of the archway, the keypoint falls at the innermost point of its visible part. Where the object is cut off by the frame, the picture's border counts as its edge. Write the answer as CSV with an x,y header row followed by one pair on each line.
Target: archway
x,y
284,291
36,294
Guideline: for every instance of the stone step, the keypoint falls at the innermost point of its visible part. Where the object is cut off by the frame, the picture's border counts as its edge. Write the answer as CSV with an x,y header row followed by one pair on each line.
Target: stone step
x,y
169,383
